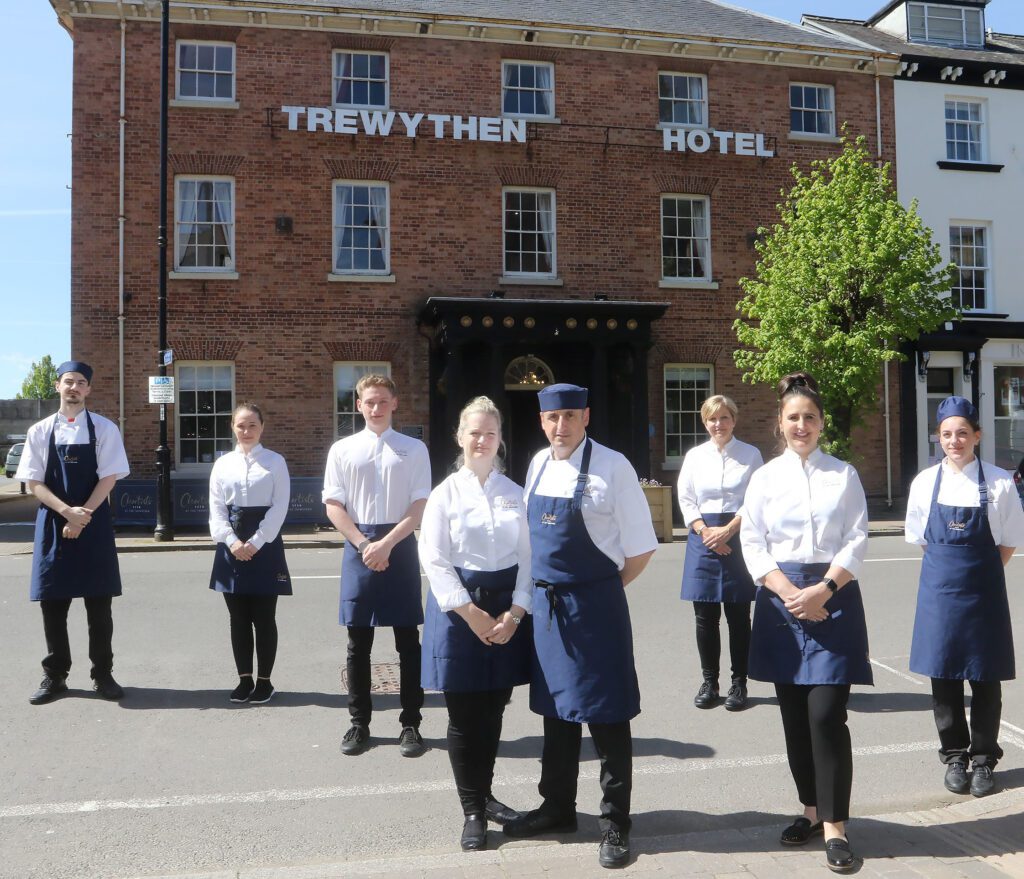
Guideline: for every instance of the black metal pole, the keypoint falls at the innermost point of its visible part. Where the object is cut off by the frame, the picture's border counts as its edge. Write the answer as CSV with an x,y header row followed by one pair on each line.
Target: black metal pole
x,y
164,510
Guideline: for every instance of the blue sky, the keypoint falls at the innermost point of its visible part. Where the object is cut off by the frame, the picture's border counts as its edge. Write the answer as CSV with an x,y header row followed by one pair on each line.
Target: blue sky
x,y
35,170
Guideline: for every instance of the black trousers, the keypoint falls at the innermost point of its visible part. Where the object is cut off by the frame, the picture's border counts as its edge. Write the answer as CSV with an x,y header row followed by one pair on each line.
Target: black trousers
x,y
407,643
957,742
709,640
57,663
253,624
818,746
560,769
474,733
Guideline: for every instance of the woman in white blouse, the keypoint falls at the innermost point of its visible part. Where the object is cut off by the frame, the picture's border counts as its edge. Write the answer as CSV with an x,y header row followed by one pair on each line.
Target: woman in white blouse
x,y
475,549
249,492
966,514
804,536
712,482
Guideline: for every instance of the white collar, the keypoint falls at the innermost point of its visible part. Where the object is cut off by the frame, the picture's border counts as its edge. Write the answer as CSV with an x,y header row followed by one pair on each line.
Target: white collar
x,y
375,437
256,449
813,459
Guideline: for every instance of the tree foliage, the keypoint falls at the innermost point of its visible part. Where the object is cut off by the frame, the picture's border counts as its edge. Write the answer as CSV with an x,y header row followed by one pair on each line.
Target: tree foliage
x,y
40,381
843,277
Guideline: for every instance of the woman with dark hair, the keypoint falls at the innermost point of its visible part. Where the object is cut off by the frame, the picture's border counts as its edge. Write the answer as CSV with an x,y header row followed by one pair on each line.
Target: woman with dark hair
x,y
804,536
249,491
967,516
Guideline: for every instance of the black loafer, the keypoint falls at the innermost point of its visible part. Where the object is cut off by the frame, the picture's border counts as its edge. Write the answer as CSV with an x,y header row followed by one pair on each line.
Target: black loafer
x,y
614,851
737,698
355,741
499,813
956,779
707,696
982,782
800,831
838,856
49,689
536,822
108,688
474,833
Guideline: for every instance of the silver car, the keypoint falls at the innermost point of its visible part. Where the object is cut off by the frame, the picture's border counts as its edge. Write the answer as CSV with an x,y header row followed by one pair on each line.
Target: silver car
x,y
13,459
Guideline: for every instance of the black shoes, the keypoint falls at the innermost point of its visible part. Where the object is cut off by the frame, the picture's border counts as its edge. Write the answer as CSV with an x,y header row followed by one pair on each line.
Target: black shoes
x,y
106,687
499,813
410,742
982,782
614,851
800,831
838,856
262,691
474,832
956,779
537,821
707,696
737,698
355,740
243,691
49,689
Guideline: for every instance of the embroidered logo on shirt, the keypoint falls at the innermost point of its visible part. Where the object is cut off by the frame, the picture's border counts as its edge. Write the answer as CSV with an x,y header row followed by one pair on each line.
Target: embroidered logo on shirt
x,y
956,526
71,459
508,503
548,519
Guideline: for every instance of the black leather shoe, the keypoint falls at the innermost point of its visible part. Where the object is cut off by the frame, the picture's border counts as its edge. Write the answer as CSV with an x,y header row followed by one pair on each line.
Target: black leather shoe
x,y
536,822
838,856
474,833
737,698
355,741
49,689
956,779
800,831
499,813
982,782
410,742
107,687
707,696
614,851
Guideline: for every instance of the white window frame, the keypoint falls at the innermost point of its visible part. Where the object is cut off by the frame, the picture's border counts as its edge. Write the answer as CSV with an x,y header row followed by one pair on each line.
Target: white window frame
x,y
199,466
505,192
929,8
700,436
820,86
229,267
1010,400
382,367
548,65
703,103
369,105
336,226
986,267
178,70
980,124
703,199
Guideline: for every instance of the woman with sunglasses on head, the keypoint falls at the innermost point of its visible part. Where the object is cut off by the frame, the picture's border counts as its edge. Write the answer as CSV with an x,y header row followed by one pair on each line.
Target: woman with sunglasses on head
x,y
804,537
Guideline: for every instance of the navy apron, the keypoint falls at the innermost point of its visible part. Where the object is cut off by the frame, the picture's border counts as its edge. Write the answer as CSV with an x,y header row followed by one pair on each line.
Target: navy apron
x,y
962,626
85,567
455,659
381,598
708,576
785,650
583,641
266,573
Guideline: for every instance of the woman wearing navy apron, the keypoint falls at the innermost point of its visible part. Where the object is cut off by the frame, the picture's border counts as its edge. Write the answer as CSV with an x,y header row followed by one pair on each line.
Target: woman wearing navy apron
x,y
475,550
804,536
967,515
249,491
712,482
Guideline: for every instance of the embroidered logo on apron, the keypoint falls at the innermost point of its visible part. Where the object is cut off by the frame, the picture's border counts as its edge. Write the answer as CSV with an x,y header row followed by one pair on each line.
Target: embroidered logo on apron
x,y
956,526
548,519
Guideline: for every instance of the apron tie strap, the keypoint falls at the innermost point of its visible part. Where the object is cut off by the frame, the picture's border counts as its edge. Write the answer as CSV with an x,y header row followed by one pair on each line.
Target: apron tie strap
x,y
552,594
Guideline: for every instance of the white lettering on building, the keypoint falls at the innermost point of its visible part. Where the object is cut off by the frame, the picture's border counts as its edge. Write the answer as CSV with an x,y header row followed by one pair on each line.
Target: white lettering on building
x,y
381,123
697,140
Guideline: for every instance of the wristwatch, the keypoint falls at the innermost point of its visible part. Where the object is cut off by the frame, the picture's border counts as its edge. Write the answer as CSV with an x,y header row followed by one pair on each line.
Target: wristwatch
x,y
830,584
697,531
365,543
514,618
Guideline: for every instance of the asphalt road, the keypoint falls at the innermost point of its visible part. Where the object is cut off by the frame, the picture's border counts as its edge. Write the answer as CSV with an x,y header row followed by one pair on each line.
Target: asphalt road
x,y
176,779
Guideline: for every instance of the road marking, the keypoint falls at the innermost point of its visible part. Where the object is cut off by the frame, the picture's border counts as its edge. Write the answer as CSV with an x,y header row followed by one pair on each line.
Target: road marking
x,y
316,577
898,674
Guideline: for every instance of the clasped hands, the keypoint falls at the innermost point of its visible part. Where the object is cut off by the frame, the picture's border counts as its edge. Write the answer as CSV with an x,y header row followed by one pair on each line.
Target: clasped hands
x,y
243,550
716,538
487,628
808,603
76,520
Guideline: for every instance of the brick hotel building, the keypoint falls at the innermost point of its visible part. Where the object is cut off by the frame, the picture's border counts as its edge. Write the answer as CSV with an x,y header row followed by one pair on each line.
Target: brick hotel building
x,y
476,197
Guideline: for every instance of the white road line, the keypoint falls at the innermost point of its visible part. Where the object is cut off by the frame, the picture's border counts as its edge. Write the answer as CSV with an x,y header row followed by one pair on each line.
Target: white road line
x,y
898,674
317,577
1016,555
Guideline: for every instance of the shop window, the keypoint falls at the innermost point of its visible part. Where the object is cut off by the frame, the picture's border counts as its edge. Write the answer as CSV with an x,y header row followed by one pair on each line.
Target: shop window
x,y
683,99
528,89
968,249
965,131
685,238
812,109
347,420
940,386
529,232
1009,416
205,71
205,400
945,25
361,79
361,226
205,224
686,388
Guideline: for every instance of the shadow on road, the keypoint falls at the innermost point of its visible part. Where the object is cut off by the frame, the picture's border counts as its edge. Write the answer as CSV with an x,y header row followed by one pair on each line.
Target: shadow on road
x,y
530,747
887,703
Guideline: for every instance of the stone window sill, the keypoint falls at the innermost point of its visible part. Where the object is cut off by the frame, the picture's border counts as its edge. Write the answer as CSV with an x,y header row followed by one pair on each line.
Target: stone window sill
x,y
523,281
202,276
681,284
801,137
202,103
983,167
361,279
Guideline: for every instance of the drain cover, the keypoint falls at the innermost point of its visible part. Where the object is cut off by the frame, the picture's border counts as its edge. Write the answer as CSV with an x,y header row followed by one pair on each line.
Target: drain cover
x,y
384,678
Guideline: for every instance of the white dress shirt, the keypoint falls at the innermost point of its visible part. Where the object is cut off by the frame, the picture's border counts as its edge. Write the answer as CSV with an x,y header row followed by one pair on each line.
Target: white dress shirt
x,y
478,528
111,459
377,478
714,480
259,479
615,511
813,512
1005,515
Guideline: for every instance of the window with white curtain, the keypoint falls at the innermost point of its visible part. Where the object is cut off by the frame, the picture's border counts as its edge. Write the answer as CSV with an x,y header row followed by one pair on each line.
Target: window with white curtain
x,y
360,79
204,229
686,388
528,89
347,419
683,99
206,398
965,131
812,109
946,25
528,226
361,225
685,237
968,250
205,71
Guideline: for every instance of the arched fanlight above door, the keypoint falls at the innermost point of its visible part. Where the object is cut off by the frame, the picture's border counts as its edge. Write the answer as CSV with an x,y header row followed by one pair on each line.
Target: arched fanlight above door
x,y
528,373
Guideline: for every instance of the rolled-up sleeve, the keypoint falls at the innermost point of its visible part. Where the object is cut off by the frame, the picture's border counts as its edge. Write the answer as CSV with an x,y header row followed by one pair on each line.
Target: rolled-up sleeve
x,y
111,458
686,490
220,526
273,521
334,482
754,532
854,508
32,466
435,548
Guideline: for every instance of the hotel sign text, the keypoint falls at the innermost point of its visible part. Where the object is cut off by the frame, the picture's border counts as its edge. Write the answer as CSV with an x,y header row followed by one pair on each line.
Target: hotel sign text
x,y
698,140
383,123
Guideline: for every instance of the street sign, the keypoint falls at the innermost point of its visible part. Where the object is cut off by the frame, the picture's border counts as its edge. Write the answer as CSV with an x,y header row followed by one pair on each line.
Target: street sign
x,y
161,389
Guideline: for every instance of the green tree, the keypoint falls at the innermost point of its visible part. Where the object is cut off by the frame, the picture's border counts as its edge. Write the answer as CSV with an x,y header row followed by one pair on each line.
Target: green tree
x,y
39,383
843,277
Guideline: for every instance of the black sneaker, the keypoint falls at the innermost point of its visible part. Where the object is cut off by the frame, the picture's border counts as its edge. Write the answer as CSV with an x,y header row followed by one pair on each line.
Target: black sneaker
x,y
355,740
243,691
410,742
737,698
956,779
261,692
614,851
982,782
49,689
106,687
707,696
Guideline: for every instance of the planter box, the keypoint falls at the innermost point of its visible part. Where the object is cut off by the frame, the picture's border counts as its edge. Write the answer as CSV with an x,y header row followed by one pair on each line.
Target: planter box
x,y
659,499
